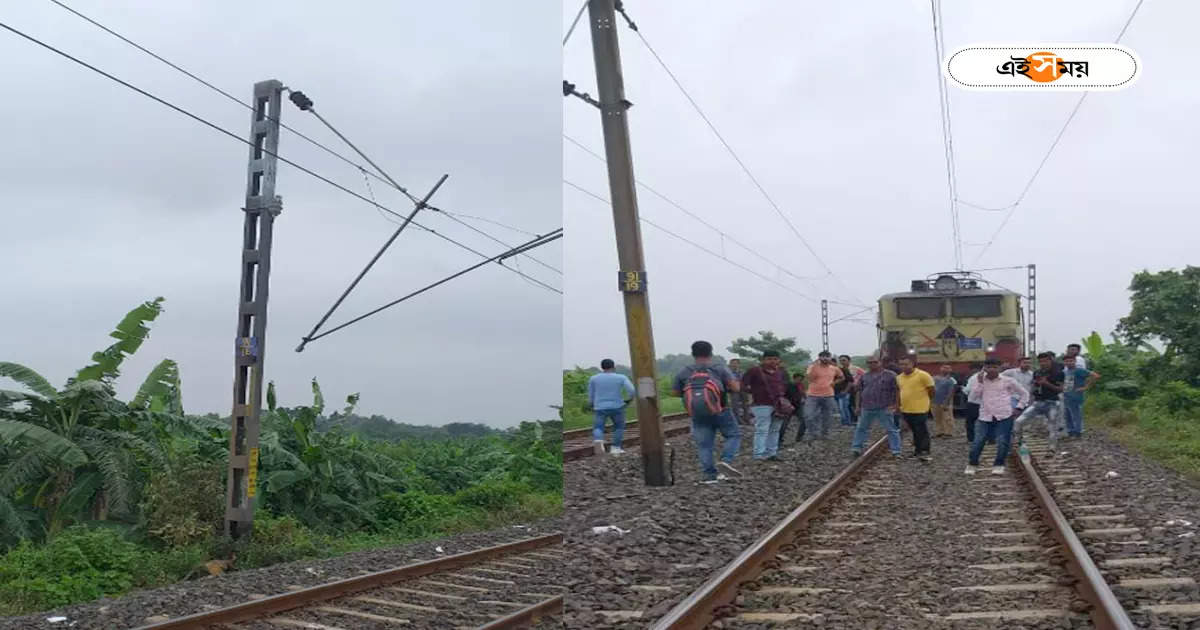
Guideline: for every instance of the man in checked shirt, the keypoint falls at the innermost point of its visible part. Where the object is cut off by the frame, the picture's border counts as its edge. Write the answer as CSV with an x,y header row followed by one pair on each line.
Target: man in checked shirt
x,y
995,394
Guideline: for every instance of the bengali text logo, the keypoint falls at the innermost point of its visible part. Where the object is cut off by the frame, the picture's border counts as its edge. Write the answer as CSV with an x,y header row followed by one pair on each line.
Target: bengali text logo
x,y
1043,67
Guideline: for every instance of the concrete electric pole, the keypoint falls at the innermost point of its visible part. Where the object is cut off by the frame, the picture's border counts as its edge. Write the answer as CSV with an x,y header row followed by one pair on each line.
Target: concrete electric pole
x,y
632,274
262,206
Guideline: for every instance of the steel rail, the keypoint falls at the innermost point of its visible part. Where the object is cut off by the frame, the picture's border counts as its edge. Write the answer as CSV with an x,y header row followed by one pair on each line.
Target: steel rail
x,y
584,450
298,599
705,604
579,434
527,616
1106,612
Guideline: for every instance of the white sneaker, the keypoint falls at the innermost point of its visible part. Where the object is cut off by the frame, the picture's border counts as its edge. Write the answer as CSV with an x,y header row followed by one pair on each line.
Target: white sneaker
x,y
971,470
997,470
721,477
616,450
730,468
598,447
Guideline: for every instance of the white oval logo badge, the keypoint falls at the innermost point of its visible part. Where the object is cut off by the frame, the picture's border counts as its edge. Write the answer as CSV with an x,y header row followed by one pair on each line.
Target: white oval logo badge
x,y
1064,67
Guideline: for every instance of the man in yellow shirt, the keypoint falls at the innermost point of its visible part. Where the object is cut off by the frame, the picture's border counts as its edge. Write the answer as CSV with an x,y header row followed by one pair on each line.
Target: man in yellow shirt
x,y
916,394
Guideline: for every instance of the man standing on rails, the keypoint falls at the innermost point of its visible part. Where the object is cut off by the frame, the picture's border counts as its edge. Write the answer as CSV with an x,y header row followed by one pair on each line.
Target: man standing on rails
x,y
1023,375
1047,386
769,405
878,398
916,395
606,397
818,407
704,386
737,400
1076,381
995,392
943,402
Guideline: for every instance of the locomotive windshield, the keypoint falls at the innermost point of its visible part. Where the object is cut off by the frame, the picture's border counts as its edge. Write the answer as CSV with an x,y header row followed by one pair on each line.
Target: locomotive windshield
x,y
920,308
976,306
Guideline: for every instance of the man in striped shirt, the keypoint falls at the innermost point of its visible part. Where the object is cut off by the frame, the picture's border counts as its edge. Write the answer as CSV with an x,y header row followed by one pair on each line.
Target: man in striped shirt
x,y
995,393
878,399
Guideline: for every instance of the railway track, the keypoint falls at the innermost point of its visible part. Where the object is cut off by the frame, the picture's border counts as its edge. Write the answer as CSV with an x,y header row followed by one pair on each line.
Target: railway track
x,y
495,588
891,543
577,443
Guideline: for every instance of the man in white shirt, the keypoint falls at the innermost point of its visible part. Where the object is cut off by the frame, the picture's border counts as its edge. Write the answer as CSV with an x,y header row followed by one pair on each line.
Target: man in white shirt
x,y
1023,375
972,401
1073,351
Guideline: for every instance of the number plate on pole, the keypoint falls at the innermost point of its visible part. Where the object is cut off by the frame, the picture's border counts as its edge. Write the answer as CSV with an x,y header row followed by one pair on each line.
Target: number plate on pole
x,y
632,281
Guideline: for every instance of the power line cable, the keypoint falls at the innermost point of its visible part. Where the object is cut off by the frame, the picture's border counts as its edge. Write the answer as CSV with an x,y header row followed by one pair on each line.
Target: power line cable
x,y
382,176
238,138
1012,208
704,249
724,235
736,158
935,9
575,22
498,258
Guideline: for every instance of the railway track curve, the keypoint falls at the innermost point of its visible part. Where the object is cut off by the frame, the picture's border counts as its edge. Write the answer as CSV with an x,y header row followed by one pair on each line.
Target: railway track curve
x,y
494,588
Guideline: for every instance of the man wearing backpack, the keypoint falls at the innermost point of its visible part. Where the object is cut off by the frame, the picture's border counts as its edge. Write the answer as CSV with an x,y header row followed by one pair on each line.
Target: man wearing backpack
x,y
704,387
769,404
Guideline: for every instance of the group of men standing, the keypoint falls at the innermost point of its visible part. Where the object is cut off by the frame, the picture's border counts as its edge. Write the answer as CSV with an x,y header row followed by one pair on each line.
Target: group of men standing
x,y
719,398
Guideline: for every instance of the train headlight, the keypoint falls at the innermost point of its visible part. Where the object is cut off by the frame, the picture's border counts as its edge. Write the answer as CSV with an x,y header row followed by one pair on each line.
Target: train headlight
x,y
991,348
912,351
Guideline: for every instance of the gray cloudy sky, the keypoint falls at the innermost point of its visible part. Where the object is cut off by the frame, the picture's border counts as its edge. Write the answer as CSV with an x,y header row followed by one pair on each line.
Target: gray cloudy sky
x,y
834,107
109,199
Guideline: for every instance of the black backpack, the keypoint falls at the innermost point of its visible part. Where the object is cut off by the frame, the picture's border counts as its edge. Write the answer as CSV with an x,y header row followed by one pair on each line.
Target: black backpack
x,y
702,394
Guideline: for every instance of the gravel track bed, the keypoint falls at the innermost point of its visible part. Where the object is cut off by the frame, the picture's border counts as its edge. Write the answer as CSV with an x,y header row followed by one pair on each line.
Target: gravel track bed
x,y
678,535
185,598
464,598
906,536
1162,504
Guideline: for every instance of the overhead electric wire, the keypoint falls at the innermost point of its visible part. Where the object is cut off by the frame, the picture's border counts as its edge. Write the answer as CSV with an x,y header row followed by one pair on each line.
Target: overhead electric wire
x,y
238,138
575,22
850,316
724,235
745,169
498,258
935,8
381,176
705,249
1012,208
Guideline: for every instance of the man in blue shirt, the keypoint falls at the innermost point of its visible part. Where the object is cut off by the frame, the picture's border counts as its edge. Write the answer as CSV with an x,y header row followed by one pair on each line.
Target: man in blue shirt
x,y
606,398
1076,381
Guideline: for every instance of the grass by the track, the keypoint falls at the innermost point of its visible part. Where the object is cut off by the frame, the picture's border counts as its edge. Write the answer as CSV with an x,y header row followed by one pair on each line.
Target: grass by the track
x,y
1165,439
578,418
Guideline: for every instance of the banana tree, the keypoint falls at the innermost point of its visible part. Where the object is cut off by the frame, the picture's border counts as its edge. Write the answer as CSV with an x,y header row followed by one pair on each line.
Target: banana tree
x,y
76,451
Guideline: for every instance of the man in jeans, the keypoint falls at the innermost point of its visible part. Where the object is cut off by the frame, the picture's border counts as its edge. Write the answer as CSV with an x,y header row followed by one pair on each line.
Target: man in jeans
x,y
768,387
737,400
818,407
1047,385
606,397
1076,380
943,402
704,426
995,392
972,402
795,393
916,396
843,390
878,398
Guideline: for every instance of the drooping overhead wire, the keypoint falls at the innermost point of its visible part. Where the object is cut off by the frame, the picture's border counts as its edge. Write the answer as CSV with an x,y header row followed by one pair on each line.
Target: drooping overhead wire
x,y
238,138
377,173
939,47
704,249
498,258
1012,207
725,236
736,158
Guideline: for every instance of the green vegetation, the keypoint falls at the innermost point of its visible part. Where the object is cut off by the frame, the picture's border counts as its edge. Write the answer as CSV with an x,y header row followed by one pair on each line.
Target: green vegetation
x,y
1150,400
99,495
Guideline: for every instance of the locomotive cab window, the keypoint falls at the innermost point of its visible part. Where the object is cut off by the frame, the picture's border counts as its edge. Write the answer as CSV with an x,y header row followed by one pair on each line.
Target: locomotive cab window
x,y
977,306
920,308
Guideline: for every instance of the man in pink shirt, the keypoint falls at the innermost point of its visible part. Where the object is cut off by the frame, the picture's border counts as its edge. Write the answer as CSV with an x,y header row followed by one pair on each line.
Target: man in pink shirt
x,y
818,407
995,394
